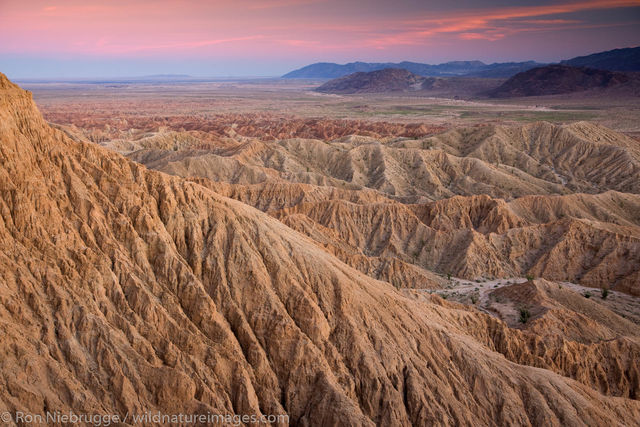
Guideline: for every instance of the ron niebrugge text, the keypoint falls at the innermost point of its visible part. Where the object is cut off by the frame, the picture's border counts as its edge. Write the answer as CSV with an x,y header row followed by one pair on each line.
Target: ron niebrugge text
x,y
100,420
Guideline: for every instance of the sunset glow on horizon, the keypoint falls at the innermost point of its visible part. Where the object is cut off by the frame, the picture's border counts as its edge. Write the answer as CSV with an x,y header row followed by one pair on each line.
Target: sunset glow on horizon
x,y
72,38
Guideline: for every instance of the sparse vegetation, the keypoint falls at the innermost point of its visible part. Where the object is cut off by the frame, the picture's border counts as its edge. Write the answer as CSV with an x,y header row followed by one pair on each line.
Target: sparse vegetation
x,y
587,294
524,315
448,276
529,277
474,299
605,293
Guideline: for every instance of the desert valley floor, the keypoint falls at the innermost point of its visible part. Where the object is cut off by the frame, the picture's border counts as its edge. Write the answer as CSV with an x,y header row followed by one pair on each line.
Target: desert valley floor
x,y
253,247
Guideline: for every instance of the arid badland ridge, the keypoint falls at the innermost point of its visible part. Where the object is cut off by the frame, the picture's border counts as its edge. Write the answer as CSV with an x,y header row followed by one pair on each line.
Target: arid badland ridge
x,y
490,200
126,289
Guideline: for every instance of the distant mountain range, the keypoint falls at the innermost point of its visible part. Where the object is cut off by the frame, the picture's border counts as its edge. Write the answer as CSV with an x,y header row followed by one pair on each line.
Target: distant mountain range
x,y
328,70
627,59
166,76
552,79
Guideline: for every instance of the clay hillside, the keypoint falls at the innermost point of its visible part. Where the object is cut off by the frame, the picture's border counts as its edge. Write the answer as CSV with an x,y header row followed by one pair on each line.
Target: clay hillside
x,y
563,79
129,290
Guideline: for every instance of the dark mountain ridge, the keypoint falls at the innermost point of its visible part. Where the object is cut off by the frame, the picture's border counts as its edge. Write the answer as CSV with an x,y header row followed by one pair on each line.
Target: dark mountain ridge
x,y
328,70
627,59
386,80
396,80
562,79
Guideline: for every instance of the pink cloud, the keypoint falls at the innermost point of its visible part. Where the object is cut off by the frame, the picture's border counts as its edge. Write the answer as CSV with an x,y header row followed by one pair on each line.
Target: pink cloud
x,y
246,27
473,24
481,36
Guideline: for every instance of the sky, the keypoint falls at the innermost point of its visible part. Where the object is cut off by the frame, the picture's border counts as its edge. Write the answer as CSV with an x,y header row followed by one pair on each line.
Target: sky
x,y
216,38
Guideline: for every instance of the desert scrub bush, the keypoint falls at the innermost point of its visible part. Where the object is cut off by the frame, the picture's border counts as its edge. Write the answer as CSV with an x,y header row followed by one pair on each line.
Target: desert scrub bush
x,y
474,299
587,294
605,293
524,315
529,278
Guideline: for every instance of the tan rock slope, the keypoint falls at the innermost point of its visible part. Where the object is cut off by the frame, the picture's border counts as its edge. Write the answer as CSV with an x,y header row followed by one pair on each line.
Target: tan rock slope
x,y
558,202
478,236
125,290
